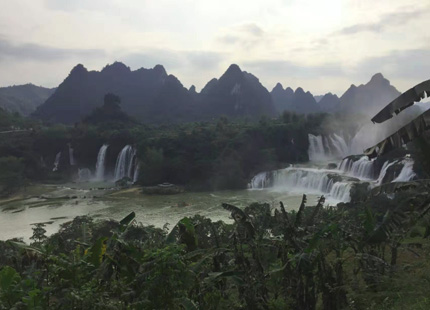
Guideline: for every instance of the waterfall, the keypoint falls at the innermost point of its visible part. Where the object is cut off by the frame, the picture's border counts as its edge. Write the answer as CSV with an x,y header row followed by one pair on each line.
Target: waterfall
x,y
100,164
57,161
84,175
341,144
362,168
71,157
136,173
303,180
316,150
323,148
341,191
383,171
124,163
407,173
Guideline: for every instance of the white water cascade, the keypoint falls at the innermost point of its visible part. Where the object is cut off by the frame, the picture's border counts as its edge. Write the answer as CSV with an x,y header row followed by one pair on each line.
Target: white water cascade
x,y
383,171
125,163
362,168
407,173
335,184
304,180
322,148
100,164
71,157
136,173
57,161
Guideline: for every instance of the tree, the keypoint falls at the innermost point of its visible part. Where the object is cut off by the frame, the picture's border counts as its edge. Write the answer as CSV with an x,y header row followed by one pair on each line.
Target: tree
x,y
11,175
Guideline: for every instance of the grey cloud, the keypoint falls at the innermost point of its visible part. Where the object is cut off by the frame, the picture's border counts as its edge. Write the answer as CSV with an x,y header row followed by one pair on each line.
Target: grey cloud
x,y
200,60
387,20
246,35
74,5
283,68
229,39
253,29
31,51
406,64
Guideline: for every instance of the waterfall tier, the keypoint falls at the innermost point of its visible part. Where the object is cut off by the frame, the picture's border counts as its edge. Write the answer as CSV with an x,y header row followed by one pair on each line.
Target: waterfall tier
x,y
71,157
304,180
335,184
57,161
100,164
362,168
322,148
125,163
407,173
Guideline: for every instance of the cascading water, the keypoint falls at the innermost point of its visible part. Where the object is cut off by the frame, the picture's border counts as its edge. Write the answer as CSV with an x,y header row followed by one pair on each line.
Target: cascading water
x,y
84,175
407,173
303,180
362,168
341,191
136,173
71,157
57,161
125,163
316,150
336,184
100,164
383,171
323,148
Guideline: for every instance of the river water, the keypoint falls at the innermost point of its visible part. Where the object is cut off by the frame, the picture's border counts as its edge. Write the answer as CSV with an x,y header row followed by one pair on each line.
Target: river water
x,y
60,204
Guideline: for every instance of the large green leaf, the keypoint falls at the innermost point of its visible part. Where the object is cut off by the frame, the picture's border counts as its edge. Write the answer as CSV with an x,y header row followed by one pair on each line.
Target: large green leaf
x,y
7,276
96,252
127,220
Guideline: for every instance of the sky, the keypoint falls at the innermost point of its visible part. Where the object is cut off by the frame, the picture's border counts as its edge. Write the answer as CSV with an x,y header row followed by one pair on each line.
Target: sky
x,y
319,45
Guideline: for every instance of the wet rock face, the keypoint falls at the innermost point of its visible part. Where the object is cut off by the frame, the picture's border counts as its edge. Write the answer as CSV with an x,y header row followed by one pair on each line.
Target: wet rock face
x,y
360,192
331,166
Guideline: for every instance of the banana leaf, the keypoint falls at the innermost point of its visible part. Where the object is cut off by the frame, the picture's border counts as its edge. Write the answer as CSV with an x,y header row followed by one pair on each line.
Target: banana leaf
x,y
405,100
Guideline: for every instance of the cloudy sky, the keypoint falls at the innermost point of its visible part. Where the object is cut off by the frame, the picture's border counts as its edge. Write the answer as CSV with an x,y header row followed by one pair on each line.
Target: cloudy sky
x,y
319,45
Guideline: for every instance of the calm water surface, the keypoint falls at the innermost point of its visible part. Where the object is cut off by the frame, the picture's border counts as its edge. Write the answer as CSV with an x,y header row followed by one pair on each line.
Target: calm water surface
x,y
62,204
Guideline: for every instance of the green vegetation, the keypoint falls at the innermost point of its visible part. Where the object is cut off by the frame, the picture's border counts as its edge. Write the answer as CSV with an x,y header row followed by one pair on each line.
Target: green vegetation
x,y
366,255
220,154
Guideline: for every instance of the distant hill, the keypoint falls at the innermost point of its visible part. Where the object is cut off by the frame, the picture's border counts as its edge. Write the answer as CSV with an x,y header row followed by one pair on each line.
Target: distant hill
x,y
329,102
237,93
367,99
23,99
153,96
297,101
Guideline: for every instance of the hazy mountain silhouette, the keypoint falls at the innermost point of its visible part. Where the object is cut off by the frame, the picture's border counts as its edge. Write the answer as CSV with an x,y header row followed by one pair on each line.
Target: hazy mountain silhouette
x,y
367,99
146,94
23,99
151,95
297,101
329,102
237,93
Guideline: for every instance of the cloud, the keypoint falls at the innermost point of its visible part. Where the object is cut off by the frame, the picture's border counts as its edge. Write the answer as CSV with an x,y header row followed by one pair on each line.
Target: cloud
x,y
197,60
404,64
252,29
287,68
246,35
386,21
31,51
67,5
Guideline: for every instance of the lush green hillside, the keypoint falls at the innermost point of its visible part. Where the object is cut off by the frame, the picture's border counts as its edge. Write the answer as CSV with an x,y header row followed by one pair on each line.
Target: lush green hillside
x,y
23,99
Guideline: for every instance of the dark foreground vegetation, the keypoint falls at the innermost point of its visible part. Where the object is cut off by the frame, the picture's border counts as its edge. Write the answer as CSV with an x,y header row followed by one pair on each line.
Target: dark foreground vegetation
x,y
372,254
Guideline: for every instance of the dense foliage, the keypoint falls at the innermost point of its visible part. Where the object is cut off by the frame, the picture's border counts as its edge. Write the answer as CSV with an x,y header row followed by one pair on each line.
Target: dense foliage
x,y
220,154
348,257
